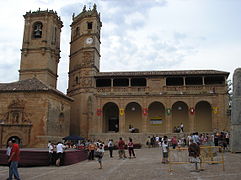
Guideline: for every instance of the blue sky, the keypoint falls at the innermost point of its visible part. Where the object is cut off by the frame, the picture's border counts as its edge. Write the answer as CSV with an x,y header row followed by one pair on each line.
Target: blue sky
x,y
137,35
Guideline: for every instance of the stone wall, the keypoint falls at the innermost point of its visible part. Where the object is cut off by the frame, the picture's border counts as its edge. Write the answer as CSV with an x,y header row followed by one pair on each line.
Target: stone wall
x,y
236,112
31,115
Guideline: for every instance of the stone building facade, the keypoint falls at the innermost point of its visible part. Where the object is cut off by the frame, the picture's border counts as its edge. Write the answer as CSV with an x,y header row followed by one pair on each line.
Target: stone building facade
x,y
31,109
152,102
100,104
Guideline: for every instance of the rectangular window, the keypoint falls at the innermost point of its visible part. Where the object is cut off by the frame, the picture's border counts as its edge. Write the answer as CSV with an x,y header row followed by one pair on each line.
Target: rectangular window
x,y
89,25
174,81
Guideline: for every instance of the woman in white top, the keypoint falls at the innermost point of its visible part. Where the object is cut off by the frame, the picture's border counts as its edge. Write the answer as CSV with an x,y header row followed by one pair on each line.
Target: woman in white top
x,y
165,152
60,151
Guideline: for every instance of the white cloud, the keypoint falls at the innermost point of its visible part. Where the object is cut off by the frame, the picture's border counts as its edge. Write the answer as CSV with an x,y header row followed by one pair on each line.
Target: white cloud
x,y
137,35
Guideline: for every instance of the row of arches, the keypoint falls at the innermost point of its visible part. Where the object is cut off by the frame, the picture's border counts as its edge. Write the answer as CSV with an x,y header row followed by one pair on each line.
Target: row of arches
x,y
156,117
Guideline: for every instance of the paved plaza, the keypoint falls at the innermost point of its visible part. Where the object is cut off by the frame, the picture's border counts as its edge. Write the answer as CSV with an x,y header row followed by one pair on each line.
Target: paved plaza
x,y
147,166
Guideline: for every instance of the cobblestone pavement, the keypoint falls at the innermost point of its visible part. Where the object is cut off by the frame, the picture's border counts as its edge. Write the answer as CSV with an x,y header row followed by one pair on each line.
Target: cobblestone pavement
x,y
147,166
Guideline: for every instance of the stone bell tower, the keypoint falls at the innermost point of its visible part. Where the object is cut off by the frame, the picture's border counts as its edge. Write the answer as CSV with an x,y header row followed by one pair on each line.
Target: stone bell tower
x,y
83,66
41,46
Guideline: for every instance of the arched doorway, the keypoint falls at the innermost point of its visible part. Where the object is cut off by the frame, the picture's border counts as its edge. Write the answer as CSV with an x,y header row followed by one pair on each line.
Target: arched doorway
x,y
156,118
110,117
203,117
180,115
17,139
133,116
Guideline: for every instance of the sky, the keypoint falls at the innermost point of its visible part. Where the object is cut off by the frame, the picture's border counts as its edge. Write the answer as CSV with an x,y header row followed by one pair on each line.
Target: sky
x,y
136,35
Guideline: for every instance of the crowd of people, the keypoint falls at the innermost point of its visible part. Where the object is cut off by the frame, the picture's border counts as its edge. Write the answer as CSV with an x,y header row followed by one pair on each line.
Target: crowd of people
x,y
192,141
96,148
210,139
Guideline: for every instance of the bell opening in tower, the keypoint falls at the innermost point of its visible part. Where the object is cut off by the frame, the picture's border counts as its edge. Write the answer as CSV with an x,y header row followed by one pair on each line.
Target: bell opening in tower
x,y
37,30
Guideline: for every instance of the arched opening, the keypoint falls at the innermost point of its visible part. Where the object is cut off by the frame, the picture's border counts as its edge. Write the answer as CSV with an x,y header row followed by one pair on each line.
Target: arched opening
x,y
133,116
17,139
180,116
203,117
110,117
37,29
156,118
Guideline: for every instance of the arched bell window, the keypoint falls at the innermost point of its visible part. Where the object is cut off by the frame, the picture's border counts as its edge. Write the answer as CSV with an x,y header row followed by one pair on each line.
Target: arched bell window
x,y
37,30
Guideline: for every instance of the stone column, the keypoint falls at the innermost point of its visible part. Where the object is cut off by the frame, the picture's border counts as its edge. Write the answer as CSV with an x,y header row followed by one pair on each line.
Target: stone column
x,y
236,113
145,121
169,123
191,121
167,105
122,123
111,85
144,117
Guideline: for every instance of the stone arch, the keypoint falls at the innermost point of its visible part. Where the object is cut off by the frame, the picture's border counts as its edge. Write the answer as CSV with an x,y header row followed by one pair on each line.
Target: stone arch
x,y
180,115
18,134
133,116
110,117
156,118
203,116
17,139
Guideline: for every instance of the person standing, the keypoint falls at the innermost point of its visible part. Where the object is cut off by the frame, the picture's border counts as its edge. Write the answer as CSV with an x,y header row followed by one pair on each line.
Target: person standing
x,y
8,151
174,142
91,148
60,153
116,128
194,152
165,152
100,153
110,147
13,160
182,127
130,146
121,147
148,142
51,153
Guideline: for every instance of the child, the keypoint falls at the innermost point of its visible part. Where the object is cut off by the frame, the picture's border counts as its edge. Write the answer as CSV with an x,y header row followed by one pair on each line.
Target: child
x,y
99,153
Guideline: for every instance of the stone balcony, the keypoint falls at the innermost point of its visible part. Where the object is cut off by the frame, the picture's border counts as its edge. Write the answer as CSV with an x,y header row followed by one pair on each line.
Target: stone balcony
x,y
165,90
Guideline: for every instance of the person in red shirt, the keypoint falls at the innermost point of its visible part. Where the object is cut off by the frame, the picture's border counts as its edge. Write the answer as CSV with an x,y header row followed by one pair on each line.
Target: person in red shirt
x,y
14,158
121,147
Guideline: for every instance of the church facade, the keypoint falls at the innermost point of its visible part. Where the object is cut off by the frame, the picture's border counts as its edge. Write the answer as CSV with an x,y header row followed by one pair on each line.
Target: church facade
x,y
149,101
32,110
101,104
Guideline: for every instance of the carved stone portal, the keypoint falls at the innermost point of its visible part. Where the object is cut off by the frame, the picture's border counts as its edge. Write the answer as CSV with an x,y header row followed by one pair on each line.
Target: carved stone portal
x,y
15,122
16,114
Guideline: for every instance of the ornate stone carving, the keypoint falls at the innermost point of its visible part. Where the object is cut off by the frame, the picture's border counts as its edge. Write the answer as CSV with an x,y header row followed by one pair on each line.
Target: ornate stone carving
x,y
85,82
16,114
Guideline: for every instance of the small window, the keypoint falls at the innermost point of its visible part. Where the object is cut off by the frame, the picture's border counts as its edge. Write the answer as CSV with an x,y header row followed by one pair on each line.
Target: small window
x,y
214,80
193,80
103,82
77,31
174,81
76,80
89,25
37,30
121,82
138,82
